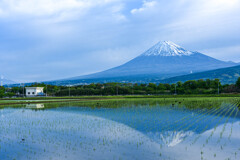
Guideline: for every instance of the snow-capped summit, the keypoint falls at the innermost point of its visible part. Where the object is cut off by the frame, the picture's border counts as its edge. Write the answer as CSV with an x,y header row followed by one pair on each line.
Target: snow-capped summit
x,y
167,48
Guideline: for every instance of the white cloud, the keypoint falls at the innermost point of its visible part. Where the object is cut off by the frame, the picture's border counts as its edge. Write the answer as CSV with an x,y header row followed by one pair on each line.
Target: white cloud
x,y
40,7
146,5
94,35
232,53
1,12
206,20
59,9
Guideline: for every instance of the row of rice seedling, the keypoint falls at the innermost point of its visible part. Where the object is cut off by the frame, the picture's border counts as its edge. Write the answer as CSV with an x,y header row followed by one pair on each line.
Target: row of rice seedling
x,y
210,110
228,108
229,137
188,117
205,118
198,118
218,140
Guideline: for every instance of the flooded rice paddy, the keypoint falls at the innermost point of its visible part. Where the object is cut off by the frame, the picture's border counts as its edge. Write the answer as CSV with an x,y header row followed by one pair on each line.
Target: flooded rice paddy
x,y
194,128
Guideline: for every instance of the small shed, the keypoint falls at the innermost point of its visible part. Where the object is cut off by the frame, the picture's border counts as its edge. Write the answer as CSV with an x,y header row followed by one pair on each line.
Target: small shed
x,y
34,91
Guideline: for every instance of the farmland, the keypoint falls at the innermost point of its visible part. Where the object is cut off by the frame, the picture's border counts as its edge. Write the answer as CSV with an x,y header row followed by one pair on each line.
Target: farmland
x,y
121,128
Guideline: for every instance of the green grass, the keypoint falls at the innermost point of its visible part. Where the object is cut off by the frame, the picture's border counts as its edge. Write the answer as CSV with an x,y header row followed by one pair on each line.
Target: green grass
x,y
124,96
96,99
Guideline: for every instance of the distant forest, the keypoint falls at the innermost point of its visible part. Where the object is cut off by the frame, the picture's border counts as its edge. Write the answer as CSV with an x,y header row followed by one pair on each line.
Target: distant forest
x,y
189,87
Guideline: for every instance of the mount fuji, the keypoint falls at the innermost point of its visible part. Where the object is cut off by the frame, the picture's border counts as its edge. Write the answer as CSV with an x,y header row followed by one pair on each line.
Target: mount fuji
x,y
165,59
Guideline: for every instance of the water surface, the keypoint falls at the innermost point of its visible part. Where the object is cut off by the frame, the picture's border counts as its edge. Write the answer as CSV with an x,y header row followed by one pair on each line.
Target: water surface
x,y
134,129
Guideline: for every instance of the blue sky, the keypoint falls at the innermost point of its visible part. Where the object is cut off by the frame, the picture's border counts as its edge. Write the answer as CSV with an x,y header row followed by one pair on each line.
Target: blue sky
x,y
54,39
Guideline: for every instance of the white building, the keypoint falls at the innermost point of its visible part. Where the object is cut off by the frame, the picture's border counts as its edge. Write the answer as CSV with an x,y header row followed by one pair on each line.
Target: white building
x,y
34,91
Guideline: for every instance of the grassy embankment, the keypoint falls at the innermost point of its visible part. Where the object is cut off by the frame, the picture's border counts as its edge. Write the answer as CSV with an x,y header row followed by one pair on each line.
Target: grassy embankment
x,y
33,100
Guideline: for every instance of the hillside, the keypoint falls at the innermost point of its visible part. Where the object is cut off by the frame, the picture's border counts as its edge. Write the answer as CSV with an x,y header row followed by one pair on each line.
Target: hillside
x,y
226,75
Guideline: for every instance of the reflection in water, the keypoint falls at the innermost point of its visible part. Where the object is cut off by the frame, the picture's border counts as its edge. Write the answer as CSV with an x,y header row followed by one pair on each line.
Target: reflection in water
x,y
35,106
128,130
169,138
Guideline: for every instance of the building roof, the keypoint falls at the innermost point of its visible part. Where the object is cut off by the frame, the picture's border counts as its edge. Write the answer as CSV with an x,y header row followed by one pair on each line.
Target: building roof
x,y
34,87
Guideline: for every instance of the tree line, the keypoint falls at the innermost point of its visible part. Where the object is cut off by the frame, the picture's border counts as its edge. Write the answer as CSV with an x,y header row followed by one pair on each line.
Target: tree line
x,y
189,87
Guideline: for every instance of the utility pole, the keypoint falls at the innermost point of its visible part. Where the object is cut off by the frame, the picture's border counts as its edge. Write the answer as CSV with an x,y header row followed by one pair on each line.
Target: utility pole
x,y
132,88
23,89
19,88
102,90
46,90
117,89
156,88
7,88
175,89
69,91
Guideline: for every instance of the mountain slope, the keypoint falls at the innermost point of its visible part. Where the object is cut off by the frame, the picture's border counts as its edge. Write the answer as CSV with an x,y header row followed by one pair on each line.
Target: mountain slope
x,y
4,81
164,60
226,75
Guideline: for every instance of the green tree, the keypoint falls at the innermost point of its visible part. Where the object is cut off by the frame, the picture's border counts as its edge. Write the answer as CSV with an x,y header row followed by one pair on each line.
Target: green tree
x,y
1,92
161,87
152,85
192,84
168,86
179,84
201,83
238,83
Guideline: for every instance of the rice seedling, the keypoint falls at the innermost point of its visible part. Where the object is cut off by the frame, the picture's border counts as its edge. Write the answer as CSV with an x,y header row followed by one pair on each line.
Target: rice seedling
x,y
133,129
